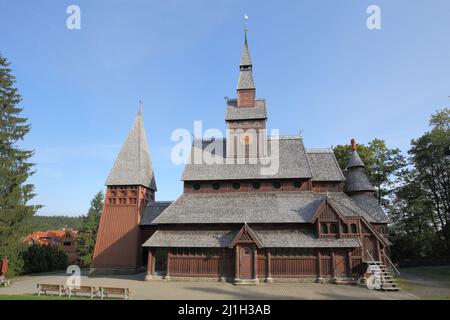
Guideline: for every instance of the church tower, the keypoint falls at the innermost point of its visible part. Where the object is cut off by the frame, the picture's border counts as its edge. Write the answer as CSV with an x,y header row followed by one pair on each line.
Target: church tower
x,y
129,187
246,116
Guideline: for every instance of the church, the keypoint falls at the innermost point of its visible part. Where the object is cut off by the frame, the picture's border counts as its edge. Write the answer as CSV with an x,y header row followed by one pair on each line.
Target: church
x,y
241,218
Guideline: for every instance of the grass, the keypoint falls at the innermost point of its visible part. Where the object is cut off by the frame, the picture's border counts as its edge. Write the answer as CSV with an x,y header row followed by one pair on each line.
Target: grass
x,y
441,273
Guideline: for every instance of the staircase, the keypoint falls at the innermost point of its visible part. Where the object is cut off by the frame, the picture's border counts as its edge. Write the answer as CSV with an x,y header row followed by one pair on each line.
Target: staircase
x,y
386,278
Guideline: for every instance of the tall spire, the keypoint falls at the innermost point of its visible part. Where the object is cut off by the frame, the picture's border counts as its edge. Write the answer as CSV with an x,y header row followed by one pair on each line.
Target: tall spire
x,y
356,178
246,85
133,165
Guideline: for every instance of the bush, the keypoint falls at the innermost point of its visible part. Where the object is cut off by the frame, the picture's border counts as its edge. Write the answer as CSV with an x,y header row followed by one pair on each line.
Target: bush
x,y
43,258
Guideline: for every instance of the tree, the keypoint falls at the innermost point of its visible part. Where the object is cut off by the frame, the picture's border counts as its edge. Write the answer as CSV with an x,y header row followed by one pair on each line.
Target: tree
x,y
43,258
382,164
88,232
428,155
15,169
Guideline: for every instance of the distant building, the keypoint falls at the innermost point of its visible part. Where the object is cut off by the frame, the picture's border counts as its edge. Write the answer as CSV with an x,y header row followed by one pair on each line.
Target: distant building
x,y
64,240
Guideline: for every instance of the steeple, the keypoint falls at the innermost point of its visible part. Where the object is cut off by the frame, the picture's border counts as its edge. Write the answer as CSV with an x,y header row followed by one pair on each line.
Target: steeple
x,y
246,86
356,178
133,165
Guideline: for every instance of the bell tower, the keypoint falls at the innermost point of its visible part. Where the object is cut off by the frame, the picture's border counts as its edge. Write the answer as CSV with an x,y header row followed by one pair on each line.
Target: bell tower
x,y
129,187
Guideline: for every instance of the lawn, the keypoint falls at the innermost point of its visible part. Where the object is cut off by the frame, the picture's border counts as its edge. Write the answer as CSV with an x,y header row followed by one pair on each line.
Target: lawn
x,y
441,273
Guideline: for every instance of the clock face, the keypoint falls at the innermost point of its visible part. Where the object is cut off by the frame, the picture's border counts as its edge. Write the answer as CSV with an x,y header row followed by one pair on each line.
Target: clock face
x,y
246,139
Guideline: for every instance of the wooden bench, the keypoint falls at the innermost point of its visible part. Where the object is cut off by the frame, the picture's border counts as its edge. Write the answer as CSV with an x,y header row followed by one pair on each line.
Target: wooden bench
x,y
105,291
82,289
44,288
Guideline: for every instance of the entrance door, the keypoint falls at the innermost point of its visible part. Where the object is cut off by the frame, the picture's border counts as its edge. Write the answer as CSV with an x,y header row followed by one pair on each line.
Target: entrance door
x,y
246,263
370,244
341,265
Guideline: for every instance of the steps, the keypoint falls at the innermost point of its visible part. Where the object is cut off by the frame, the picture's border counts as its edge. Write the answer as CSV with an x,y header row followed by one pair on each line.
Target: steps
x,y
387,281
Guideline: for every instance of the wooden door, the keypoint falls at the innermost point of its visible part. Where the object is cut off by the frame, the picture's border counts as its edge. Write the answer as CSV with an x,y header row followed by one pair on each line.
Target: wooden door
x,y
370,244
246,263
341,263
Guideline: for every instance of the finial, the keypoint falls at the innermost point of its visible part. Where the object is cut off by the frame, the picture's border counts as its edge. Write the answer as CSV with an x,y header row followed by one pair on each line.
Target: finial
x,y
353,142
141,103
246,23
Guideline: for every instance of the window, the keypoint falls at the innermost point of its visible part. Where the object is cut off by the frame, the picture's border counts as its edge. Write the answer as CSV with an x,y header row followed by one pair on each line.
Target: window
x,y
353,228
334,228
323,228
216,186
196,186
297,184
256,185
67,243
236,185
344,228
276,185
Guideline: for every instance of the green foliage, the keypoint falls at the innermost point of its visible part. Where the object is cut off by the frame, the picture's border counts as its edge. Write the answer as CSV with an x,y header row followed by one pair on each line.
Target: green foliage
x,y
15,169
44,223
88,232
43,258
382,164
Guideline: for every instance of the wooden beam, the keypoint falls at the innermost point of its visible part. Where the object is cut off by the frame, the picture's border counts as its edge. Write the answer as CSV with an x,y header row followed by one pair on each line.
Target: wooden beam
x,y
236,263
269,263
255,263
333,264
319,263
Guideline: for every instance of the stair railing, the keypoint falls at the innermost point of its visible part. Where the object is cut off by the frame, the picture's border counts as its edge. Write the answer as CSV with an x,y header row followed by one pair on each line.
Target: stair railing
x,y
393,265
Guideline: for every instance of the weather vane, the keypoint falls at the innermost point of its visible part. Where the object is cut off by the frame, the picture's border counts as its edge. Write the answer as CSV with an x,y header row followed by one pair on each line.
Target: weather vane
x,y
141,103
246,22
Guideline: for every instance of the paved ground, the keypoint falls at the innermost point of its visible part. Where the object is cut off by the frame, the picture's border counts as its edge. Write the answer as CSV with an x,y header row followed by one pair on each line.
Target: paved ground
x,y
209,290
424,287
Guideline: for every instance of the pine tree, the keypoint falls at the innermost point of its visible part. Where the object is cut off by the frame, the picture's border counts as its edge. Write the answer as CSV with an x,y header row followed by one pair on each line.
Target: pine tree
x,y
88,233
15,169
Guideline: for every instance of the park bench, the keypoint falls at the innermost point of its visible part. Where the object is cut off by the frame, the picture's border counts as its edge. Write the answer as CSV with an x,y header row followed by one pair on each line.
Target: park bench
x,y
44,288
82,289
106,291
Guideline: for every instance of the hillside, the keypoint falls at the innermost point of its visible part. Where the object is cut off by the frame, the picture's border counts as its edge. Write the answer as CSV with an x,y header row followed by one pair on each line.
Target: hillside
x,y
43,223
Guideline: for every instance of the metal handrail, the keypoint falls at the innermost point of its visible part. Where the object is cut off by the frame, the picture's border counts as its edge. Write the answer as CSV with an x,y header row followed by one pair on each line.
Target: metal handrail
x,y
396,270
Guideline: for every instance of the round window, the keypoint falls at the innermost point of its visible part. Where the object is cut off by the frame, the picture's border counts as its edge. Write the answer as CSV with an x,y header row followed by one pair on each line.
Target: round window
x,y
276,185
196,186
297,184
256,185
236,185
216,186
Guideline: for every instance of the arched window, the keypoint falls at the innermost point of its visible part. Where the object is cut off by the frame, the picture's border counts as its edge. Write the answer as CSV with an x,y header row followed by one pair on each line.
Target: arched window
x,y
236,185
353,228
324,228
256,185
196,186
276,185
334,228
345,228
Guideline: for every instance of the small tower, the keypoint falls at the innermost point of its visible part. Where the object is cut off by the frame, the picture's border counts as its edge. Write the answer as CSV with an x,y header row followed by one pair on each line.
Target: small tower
x,y
246,117
129,187
359,187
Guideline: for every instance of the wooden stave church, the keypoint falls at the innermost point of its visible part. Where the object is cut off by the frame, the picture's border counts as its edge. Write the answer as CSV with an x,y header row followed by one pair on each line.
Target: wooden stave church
x,y
307,222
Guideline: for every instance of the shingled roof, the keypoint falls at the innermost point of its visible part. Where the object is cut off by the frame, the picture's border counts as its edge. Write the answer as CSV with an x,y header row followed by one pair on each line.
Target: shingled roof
x,y
370,204
153,210
133,165
292,162
245,74
324,165
249,113
298,238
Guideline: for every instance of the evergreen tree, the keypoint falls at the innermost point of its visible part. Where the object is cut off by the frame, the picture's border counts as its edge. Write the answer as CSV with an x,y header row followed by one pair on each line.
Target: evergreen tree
x,y
15,169
88,232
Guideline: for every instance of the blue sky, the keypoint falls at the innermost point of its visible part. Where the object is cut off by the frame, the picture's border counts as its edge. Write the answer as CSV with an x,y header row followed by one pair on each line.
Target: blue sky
x,y
319,67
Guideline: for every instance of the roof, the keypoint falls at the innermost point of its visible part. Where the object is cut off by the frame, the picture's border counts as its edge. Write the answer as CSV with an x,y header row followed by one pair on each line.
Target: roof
x,y
256,112
153,210
324,165
356,180
245,56
241,207
348,207
246,80
370,204
291,162
49,236
220,239
133,165
355,160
